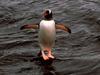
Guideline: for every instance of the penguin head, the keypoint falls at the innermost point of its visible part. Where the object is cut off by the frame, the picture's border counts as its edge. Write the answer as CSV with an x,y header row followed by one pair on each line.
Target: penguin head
x,y
47,14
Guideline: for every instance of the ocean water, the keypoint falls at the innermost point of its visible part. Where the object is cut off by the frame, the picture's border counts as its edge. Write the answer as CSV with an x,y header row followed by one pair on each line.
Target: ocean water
x,y
77,53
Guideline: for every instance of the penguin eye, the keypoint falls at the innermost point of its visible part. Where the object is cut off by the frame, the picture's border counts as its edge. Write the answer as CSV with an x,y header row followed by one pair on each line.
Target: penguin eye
x,y
47,12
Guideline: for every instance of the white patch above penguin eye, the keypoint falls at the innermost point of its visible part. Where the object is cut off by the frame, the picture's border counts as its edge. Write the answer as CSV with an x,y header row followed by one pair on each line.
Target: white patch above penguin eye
x,y
49,11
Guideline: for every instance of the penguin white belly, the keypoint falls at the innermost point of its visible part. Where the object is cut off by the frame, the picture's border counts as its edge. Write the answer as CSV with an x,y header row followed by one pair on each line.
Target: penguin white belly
x,y
47,34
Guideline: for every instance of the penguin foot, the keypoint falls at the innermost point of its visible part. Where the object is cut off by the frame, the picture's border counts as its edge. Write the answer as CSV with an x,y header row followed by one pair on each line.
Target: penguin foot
x,y
45,57
51,56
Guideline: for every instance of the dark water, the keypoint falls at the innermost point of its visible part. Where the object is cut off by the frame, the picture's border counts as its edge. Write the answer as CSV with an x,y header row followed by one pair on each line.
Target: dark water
x,y
77,53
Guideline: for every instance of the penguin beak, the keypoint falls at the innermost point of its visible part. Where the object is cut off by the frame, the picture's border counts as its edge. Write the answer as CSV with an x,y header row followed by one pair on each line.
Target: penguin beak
x,y
44,14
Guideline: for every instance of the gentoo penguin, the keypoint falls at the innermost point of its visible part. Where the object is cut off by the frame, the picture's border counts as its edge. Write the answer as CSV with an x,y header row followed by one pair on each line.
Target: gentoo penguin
x,y
47,33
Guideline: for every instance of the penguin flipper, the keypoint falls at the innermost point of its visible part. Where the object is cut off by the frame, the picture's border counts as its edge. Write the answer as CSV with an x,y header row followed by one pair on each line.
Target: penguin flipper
x,y
30,26
63,27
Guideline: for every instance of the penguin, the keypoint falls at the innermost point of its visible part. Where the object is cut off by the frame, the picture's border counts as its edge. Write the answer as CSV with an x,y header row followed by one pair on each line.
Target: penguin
x,y
47,33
